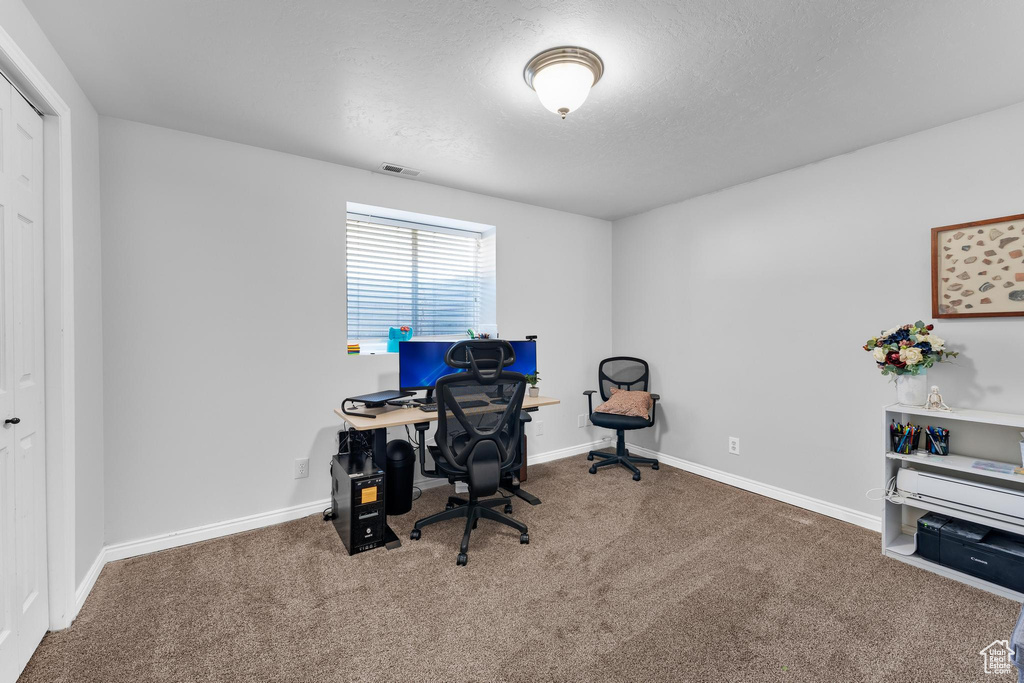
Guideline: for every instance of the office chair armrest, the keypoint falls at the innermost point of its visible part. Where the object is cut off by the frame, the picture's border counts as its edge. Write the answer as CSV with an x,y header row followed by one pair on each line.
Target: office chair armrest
x,y
525,416
654,406
589,393
655,397
421,430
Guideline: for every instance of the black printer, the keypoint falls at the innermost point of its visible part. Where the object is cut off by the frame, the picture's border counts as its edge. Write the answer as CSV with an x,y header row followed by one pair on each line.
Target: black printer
x,y
990,554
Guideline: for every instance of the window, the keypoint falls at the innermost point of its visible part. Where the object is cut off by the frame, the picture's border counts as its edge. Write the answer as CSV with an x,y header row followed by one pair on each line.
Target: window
x,y
439,280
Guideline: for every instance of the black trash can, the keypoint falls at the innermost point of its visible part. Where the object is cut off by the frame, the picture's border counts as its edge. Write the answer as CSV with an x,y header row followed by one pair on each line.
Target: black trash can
x,y
398,483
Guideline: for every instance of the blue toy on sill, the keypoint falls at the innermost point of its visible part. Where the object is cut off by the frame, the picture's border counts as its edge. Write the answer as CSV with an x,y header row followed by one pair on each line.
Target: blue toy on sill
x,y
398,334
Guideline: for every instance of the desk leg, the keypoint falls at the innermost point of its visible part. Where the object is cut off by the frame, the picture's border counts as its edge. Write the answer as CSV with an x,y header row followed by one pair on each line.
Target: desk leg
x,y
514,487
380,458
390,538
522,470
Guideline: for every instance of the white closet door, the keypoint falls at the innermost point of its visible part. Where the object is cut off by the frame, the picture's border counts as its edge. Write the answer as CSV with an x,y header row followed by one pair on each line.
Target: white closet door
x,y
23,595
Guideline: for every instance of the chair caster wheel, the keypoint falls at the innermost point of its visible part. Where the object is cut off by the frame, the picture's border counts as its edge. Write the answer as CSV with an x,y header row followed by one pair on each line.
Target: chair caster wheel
x,y
524,539
462,559
508,509
636,477
449,506
415,535
593,470
328,516
655,466
590,456
474,524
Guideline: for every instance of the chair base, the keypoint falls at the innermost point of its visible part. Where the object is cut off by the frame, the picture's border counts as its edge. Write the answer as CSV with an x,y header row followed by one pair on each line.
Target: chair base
x,y
621,457
473,510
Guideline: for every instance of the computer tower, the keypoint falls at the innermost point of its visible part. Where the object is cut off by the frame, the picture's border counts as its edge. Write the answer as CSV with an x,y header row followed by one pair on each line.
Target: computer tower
x,y
357,501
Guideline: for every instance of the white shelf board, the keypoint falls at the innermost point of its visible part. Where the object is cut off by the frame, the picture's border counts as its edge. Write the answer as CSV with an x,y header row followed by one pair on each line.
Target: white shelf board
x,y
905,544
979,416
959,463
936,568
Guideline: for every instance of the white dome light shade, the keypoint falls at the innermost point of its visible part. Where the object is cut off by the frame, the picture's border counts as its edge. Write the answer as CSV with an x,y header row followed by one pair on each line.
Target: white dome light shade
x,y
562,88
563,76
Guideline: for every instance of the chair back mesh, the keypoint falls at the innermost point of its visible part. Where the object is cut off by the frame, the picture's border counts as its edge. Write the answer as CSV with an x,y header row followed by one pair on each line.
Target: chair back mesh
x,y
478,418
623,372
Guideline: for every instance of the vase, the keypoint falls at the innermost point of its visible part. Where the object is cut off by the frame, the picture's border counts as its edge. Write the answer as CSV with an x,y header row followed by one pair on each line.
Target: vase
x,y
912,390
534,392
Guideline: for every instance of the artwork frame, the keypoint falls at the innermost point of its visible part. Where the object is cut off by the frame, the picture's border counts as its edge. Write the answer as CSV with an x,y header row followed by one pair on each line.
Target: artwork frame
x,y
994,288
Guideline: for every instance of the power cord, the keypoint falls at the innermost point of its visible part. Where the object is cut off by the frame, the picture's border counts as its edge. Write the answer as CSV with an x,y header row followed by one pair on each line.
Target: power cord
x,y
408,435
889,493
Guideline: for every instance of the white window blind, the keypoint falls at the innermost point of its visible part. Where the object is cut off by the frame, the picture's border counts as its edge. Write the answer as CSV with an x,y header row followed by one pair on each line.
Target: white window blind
x,y
402,274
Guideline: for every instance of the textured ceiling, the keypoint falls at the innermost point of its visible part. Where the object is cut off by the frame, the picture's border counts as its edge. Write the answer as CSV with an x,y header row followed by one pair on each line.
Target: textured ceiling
x,y
696,96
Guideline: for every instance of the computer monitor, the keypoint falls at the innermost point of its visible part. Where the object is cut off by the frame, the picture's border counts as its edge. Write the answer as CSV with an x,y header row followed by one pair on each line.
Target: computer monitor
x,y
421,363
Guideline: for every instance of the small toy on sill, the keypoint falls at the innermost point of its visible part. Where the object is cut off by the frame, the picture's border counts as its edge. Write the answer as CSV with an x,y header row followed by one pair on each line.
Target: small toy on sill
x,y
398,334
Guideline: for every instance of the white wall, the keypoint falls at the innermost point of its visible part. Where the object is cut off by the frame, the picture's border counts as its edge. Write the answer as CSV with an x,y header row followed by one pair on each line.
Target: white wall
x,y
752,305
16,20
224,319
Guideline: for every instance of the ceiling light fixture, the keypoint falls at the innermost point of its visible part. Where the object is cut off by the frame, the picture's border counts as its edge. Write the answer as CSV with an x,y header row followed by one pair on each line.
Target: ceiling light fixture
x,y
563,76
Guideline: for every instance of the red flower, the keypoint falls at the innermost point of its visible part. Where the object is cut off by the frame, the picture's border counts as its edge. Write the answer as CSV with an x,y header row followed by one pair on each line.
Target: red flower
x,y
894,359
929,327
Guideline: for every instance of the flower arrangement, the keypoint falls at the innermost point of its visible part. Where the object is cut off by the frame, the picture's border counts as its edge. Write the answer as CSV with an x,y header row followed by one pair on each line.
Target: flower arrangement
x,y
908,350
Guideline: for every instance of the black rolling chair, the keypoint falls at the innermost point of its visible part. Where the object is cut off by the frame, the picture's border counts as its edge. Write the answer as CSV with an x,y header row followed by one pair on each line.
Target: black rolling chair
x,y
632,374
477,434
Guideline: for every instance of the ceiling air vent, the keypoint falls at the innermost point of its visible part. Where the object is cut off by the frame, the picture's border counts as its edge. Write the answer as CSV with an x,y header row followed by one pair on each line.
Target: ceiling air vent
x,y
395,169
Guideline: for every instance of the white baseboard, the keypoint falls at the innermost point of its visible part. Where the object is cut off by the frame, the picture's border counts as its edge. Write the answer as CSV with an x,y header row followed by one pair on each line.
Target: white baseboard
x,y
120,551
88,582
798,499
550,456
174,539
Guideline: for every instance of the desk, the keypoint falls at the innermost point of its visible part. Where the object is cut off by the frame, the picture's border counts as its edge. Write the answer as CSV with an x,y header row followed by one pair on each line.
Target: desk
x,y
400,417
390,416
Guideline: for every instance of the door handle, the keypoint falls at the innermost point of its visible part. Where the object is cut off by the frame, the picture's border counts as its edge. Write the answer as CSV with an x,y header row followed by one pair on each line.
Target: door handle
x,y
12,421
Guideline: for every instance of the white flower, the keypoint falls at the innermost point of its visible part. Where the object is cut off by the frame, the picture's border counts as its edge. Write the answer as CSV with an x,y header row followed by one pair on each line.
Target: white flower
x,y
879,354
937,344
889,332
911,355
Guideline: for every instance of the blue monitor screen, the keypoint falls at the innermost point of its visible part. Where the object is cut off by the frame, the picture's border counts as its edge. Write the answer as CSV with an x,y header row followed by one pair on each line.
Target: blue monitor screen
x,y
421,363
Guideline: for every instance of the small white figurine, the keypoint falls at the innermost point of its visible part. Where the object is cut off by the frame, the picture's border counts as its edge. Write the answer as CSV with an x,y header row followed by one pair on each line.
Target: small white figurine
x,y
934,401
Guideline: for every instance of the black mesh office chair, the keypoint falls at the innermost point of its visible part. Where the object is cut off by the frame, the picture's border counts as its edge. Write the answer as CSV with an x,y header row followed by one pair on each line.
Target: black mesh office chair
x,y
477,435
632,374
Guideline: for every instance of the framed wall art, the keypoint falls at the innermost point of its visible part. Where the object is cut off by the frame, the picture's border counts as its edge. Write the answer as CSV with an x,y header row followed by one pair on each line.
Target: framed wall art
x,y
978,269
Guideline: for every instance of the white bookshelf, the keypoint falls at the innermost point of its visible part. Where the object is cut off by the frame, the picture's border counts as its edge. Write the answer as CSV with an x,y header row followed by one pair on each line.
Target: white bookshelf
x,y
899,520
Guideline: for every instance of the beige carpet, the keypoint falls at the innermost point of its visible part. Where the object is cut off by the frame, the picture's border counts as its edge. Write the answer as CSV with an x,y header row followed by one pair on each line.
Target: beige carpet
x,y
674,578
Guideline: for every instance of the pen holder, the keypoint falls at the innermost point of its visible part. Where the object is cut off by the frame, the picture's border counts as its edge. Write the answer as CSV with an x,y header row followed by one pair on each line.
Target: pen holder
x,y
938,443
905,444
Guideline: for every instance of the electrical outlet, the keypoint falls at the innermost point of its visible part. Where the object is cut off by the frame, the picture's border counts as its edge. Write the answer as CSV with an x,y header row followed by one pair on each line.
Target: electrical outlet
x,y
538,428
734,445
301,468
581,421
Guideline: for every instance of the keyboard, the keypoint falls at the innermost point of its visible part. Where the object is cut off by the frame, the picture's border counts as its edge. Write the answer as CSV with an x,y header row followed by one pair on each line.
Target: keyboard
x,y
432,407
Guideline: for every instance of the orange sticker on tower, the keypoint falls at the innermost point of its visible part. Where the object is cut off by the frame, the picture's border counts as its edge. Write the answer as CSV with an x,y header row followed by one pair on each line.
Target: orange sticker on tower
x,y
369,494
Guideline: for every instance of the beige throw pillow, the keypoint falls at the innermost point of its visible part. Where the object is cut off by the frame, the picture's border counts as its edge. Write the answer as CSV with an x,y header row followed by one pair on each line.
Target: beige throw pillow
x,y
632,403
